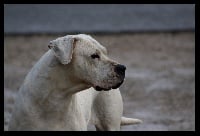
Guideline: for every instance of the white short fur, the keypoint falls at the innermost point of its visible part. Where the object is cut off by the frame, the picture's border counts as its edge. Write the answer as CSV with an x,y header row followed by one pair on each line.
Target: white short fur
x,y
58,93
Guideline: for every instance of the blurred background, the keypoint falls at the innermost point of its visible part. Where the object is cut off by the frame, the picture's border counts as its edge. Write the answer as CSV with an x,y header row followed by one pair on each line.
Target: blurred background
x,y
155,41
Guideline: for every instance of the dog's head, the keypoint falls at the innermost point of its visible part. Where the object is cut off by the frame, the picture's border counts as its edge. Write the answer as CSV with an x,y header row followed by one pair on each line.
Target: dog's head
x,y
89,61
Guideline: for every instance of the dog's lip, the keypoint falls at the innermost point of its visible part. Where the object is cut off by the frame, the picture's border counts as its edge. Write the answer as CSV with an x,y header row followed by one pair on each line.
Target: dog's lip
x,y
118,85
98,88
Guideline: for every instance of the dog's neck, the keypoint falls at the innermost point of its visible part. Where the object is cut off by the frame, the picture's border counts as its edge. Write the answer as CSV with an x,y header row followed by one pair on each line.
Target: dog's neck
x,y
51,71
65,74
52,95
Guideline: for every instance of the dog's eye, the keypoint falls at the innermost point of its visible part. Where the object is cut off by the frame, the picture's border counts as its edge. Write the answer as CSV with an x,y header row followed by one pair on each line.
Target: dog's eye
x,y
93,56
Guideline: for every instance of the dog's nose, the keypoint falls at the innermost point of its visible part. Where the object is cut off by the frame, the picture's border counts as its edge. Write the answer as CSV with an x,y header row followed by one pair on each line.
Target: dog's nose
x,y
120,69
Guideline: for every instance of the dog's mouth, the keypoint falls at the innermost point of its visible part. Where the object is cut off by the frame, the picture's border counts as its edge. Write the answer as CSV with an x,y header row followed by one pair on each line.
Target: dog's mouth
x,y
98,88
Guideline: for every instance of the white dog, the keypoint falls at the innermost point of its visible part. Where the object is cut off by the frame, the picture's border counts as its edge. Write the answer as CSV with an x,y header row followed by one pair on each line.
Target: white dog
x,y
63,91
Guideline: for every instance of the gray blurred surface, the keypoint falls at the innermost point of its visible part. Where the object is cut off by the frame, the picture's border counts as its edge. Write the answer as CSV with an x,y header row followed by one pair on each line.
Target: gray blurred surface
x,y
62,18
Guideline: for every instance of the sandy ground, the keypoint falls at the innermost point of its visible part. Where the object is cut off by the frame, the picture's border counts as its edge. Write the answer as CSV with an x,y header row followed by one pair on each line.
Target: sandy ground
x,y
160,77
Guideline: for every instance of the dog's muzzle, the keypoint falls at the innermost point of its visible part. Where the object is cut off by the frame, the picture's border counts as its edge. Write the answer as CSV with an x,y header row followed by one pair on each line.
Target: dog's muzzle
x,y
120,71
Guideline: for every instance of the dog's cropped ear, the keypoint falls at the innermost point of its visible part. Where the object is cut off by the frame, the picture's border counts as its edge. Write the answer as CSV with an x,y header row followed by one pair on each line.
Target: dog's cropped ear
x,y
63,48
